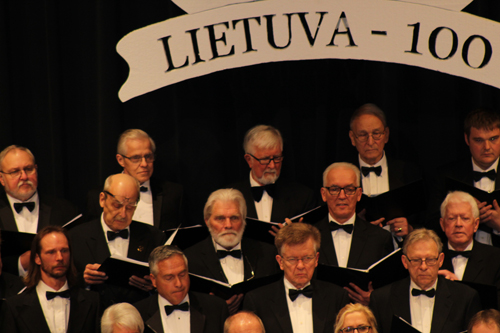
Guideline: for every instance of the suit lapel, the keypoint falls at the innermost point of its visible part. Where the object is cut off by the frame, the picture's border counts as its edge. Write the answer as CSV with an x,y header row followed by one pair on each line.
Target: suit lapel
x,y
357,244
78,312
280,307
400,299
7,220
395,175
249,260
327,250
157,193
196,314
138,243
247,193
211,261
442,307
43,215
31,313
281,203
474,264
319,310
97,244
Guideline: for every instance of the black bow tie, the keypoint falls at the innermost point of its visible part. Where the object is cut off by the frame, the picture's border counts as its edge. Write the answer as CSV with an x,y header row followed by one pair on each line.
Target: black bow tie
x,y
18,206
144,189
453,254
294,293
477,175
258,191
234,253
50,294
122,233
346,227
429,293
366,170
170,308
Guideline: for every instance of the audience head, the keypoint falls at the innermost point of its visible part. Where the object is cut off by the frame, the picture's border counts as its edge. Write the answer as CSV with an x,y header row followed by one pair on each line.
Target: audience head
x,y
482,135
369,133
298,252
225,213
459,219
136,154
486,321
50,257
119,200
263,147
422,257
121,318
169,273
341,190
355,316
244,322
18,172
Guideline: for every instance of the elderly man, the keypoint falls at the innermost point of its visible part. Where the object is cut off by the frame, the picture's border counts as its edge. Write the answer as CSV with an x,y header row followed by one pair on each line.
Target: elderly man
x,y
297,303
122,318
486,321
244,322
464,258
226,255
160,202
379,173
430,303
175,308
115,234
22,207
51,303
269,198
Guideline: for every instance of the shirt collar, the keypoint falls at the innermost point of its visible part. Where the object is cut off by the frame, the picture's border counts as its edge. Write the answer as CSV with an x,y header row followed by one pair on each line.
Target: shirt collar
x,y
468,248
413,285
350,221
475,167
382,162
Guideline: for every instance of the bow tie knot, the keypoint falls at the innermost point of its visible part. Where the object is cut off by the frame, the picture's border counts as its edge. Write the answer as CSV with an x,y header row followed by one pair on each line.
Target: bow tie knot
x,y
143,189
113,235
171,308
234,253
465,254
366,170
346,227
18,206
258,191
51,295
294,293
429,293
478,175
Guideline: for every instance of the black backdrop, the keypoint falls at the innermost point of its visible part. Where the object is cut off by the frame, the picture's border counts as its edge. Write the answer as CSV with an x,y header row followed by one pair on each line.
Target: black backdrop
x,y
60,76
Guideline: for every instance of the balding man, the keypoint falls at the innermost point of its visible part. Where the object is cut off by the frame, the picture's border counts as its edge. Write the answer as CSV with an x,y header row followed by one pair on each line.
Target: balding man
x,y
244,322
115,234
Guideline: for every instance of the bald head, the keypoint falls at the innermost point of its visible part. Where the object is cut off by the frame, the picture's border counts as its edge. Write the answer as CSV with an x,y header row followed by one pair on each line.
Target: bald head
x,y
244,322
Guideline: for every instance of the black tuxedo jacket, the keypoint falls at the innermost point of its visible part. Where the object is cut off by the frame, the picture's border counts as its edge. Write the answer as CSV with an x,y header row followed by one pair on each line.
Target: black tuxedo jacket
x,y
23,313
90,247
10,285
270,304
258,257
207,312
290,199
167,204
482,267
369,244
454,306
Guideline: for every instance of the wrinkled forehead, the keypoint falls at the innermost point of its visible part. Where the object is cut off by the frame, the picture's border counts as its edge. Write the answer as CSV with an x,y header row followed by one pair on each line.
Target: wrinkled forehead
x,y
17,157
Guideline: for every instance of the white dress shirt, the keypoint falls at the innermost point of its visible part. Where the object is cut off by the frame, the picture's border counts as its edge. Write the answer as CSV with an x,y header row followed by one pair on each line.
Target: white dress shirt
x,y
300,310
264,207
118,246
421,309
178,321
26,221
342,241
144,211
55,311
460,262
234,268
374,185
487,185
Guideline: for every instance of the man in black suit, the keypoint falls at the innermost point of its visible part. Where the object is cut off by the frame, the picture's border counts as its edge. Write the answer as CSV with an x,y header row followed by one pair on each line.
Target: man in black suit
x,y
269,198
297,303
430,303
175,307
115,234
464,258
10,284
51,302
22,207
226,255
160,202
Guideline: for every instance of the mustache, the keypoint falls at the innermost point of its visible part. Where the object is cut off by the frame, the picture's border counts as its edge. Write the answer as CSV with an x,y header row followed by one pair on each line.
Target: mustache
x,y
24,182
230,232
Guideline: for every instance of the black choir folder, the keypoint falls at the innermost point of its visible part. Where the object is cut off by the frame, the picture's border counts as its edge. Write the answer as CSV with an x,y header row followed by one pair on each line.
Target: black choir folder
x,y
184,237
404,201
259,230
225,290
119,269
387,270
483,196
399,325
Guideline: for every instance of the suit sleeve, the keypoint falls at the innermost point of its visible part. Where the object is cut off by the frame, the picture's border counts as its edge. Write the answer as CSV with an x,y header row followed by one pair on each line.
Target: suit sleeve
x,y
7,321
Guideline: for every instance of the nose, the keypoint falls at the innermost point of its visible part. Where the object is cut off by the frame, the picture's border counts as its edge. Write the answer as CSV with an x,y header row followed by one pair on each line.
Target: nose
x,y
423,266
178,282
24,175
271,165
123,211
300,264
228,224
143,163
59,255
487,144
342,194
370,139
460,222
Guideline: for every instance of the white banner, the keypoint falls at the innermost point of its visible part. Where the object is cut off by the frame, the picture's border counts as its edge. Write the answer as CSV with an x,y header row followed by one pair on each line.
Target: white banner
x,y
251,33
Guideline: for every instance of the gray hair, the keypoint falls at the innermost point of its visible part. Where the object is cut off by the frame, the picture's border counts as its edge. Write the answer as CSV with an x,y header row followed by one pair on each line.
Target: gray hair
x,y
339,165
225,195
163,252
262,136
370,109
123,315
421,234
132,134
13,147
230,319
460,197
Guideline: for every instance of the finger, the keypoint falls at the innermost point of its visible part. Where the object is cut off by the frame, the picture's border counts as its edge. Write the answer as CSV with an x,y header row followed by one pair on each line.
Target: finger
x,y
495,205
355,287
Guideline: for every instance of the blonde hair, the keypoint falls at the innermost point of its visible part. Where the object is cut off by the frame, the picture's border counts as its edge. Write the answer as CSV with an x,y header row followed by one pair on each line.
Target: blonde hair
x,y
356,307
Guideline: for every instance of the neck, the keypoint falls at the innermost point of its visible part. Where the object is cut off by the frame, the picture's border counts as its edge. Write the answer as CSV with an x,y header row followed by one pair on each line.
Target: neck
x,y
341,220
54,283
427,286
253,177
371,161
461,247
483,166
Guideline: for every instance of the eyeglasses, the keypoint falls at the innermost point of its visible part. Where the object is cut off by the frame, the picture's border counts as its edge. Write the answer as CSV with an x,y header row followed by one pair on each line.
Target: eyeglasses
x,y
138,158
29,170
363,137
267,160
360,329
419,261
118,204
348,190
294,261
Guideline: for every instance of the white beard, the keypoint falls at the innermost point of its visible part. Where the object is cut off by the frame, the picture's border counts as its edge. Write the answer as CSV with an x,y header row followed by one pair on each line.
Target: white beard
x,y
227,239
